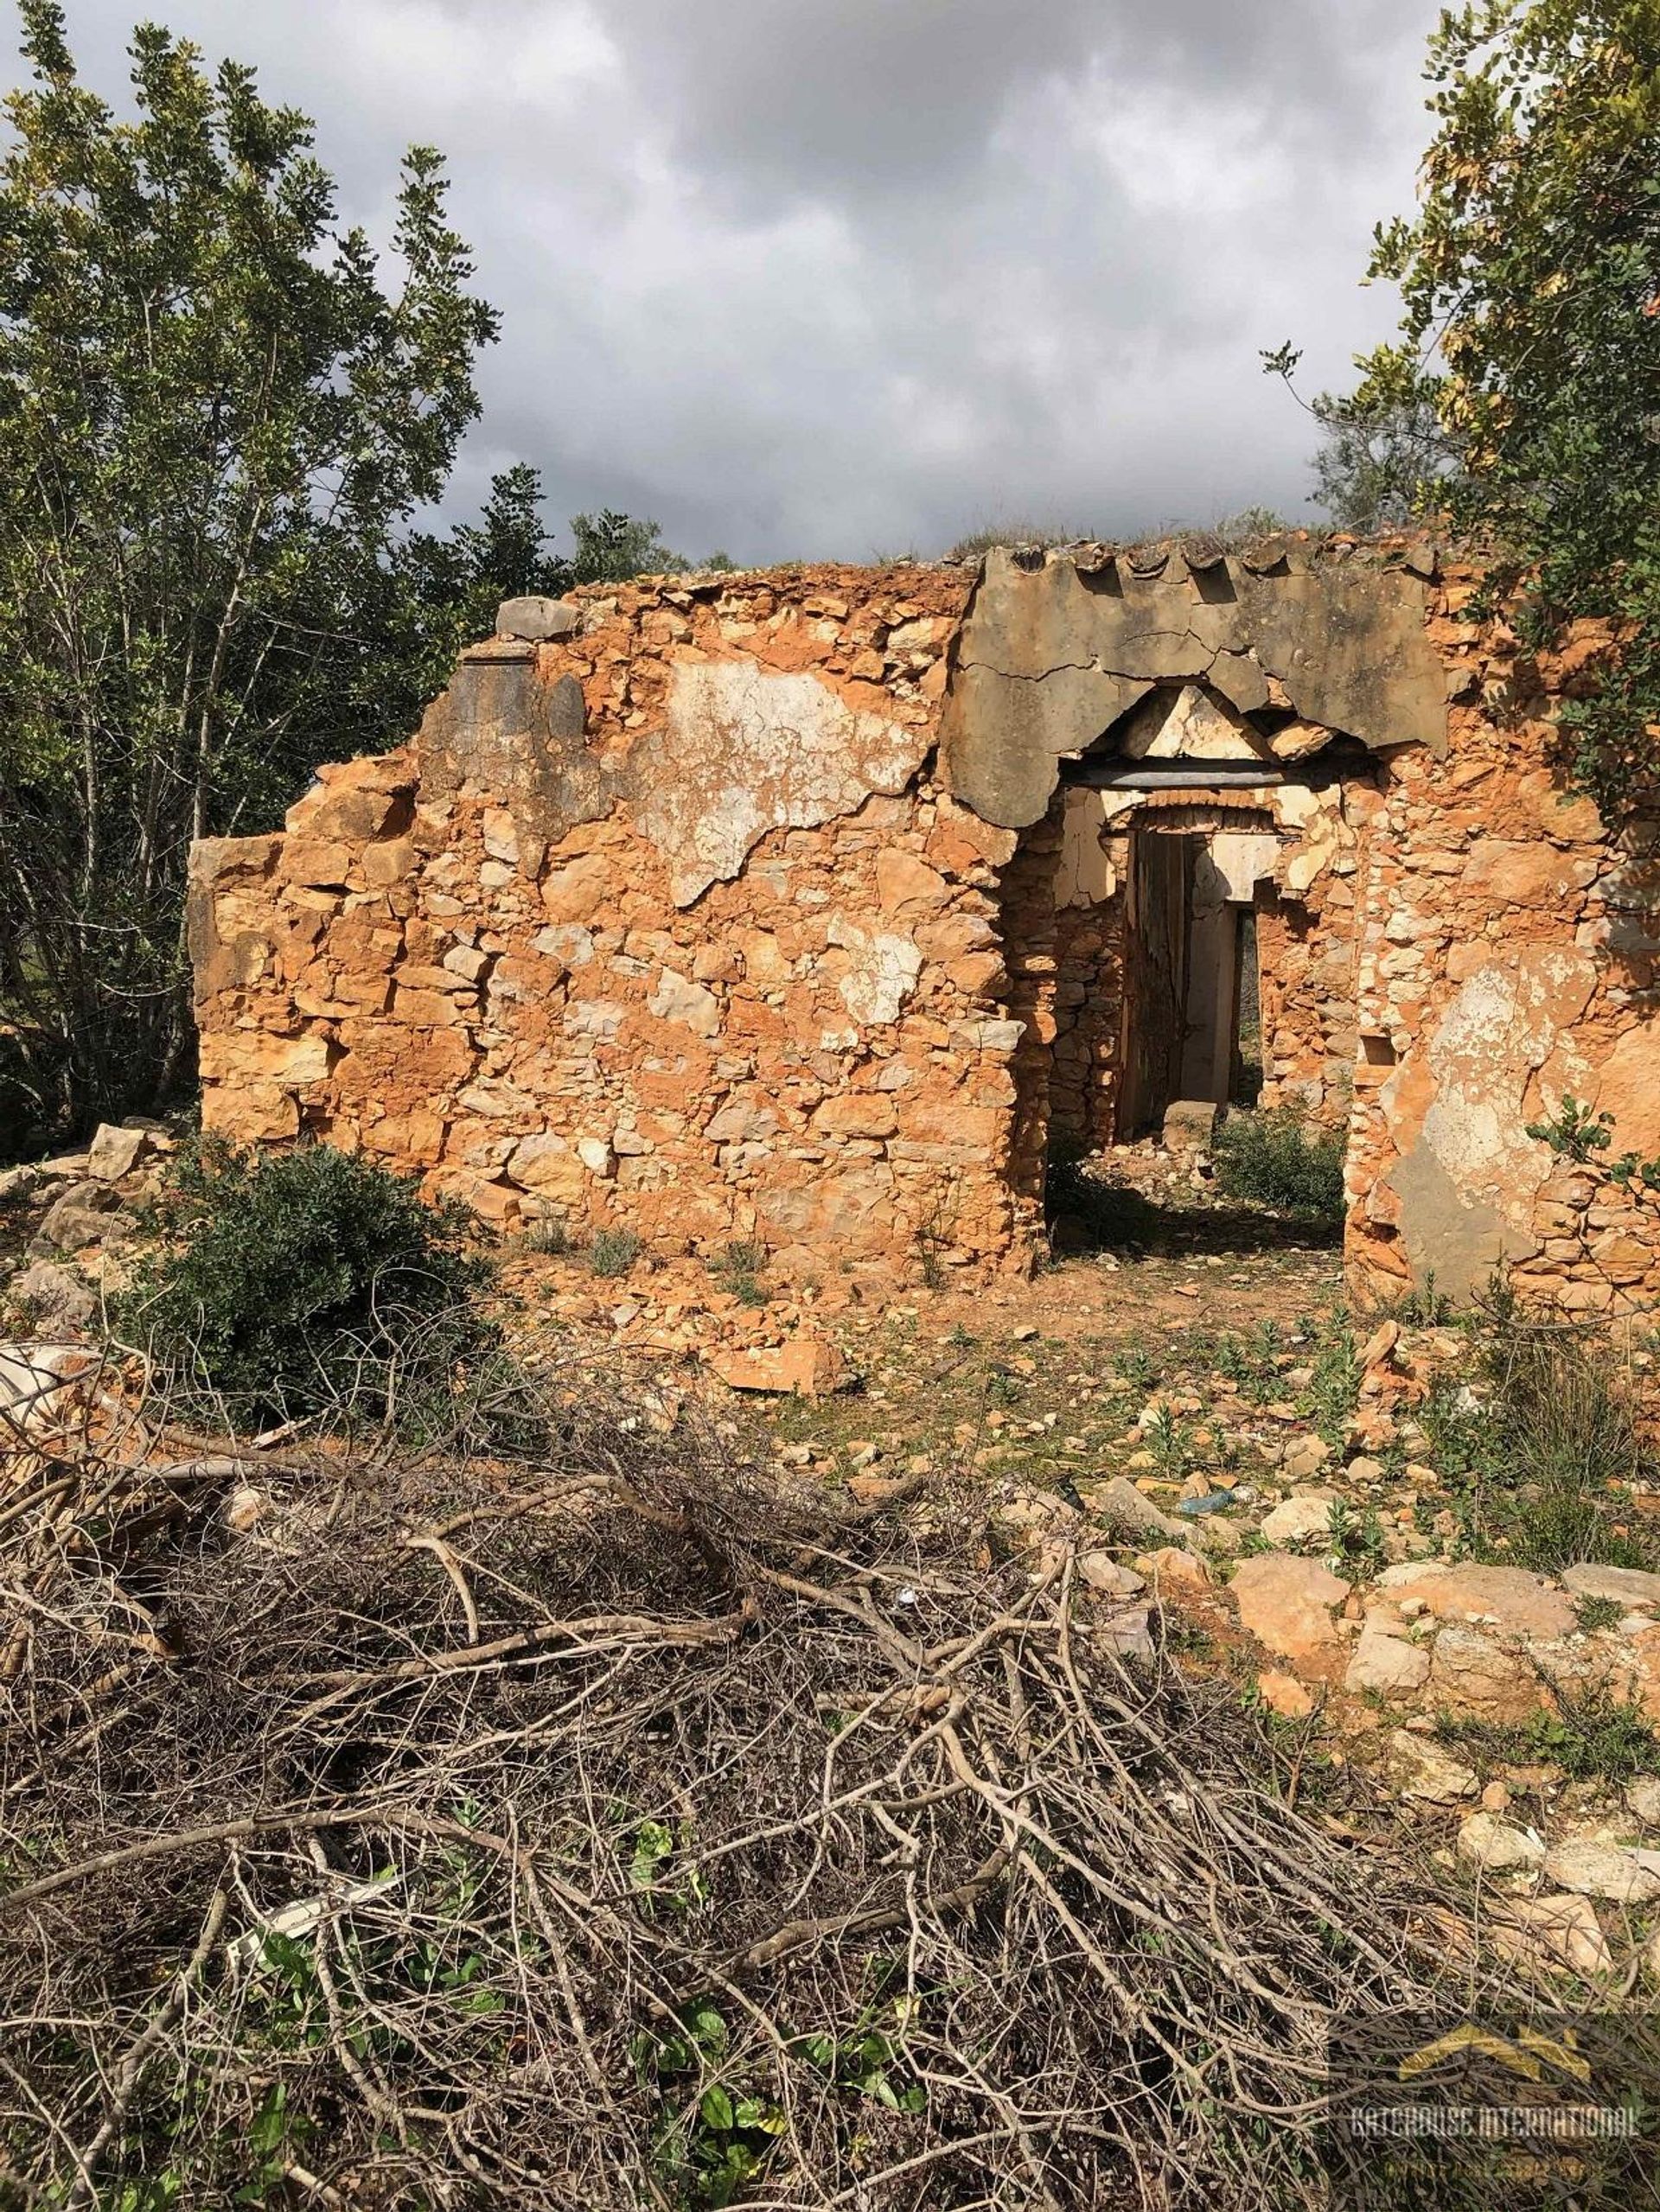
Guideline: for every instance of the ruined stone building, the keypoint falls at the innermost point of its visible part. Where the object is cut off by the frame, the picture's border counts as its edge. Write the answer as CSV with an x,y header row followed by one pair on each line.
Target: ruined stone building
x,y
819,907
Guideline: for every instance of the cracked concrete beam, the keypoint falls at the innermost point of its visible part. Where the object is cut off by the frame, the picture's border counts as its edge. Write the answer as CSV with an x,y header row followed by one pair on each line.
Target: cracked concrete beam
x,y
1045,653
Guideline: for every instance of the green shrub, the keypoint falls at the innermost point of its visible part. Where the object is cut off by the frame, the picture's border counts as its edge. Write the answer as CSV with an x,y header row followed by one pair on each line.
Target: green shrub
x,y
1544,1453
613,1252
1276,1159
288,1283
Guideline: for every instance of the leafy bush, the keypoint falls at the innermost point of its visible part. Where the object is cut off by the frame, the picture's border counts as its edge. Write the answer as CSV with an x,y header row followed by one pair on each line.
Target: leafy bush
x,y
1275,1159
1543,1452
613,1252
290,1283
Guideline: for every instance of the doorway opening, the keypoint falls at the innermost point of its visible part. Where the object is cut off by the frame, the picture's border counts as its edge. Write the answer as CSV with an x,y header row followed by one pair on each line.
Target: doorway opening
x,y
1191,1006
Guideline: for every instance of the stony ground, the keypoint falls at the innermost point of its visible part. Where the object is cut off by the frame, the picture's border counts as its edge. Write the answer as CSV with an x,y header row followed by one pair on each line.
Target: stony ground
x,y
1235,1466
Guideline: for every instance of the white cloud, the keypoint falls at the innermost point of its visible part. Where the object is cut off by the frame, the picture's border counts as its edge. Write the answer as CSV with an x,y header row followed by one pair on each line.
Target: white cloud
x,y
825,277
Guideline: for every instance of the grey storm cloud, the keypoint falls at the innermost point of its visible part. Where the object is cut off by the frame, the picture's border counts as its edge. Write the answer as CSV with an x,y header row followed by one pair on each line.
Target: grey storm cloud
x,y
835,277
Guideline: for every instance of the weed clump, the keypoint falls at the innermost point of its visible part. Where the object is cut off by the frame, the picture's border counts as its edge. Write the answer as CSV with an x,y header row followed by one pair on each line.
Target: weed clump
x,y
1545,1447
613,1252
289,1283
1276,1159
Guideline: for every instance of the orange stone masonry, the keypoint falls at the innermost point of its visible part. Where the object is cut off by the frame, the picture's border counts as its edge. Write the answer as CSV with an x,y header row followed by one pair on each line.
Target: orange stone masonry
x,y
676,915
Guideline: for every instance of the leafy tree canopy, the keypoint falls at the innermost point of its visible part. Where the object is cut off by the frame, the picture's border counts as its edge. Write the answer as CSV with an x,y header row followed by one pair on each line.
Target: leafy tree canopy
x,y
1531,277
220,413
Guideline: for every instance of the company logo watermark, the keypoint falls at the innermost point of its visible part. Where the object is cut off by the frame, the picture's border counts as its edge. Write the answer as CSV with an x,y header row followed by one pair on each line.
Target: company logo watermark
x,y
1550,2110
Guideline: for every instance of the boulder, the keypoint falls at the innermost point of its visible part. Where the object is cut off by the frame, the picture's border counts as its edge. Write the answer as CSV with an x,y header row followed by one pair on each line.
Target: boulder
x,y
1497,1846
116,1152
806,1367
536,618
1431,1775
54,1295
81,1216
1287,1604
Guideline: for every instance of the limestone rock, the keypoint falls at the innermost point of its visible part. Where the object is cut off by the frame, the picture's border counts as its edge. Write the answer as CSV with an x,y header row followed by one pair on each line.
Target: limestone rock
x,y
116,1152
1592,1868
1470,1672
1124,1631
1431,1774
537,618
84,1214
59,1299
1284,1694
1107,1577
1287,1604
1305,1455
1388,1664
1507,1599
1498,1847
1557,1931
1627,1586
1643,1796
807,1365
1172,1571
1121,1505
1306,1514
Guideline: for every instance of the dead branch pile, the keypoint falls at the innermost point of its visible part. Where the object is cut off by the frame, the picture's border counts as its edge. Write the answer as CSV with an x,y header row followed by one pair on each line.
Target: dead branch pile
x,y
618,1833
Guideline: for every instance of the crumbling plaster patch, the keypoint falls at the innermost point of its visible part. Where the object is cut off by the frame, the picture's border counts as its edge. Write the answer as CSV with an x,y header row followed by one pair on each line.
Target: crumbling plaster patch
x,y
742,751
1468,1174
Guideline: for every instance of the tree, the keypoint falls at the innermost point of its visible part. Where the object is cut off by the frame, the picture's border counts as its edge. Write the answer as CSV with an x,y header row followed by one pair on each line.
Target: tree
x,y
214,419
612,547
1386,461
1531,277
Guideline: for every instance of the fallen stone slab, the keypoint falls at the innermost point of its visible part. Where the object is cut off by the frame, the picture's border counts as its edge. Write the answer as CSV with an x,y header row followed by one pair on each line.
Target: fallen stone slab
x,y
1509,1599
807,1366
1497,1846
115,1152
1626,1585
1592,1868
1287,1604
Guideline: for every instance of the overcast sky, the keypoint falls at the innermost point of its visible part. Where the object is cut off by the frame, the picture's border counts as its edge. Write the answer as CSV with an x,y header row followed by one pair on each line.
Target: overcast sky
x,y
838,278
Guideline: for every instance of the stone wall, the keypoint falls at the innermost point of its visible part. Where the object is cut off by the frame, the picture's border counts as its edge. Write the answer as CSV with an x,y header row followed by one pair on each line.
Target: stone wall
x,y
710,907
703,949
1508,961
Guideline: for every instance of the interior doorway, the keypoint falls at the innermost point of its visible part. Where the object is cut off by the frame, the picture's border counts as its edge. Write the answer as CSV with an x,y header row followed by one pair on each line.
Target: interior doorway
x,y
1191,1005
1157,907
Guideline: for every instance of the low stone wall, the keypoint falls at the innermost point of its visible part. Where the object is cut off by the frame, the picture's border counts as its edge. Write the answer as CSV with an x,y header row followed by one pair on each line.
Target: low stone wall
x,y
1508,961
710,907
715,958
